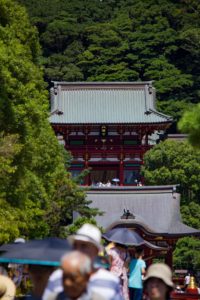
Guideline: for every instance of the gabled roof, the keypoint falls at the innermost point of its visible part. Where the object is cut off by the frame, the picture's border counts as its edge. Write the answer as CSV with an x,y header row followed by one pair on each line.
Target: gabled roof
x,y
104,102
155,208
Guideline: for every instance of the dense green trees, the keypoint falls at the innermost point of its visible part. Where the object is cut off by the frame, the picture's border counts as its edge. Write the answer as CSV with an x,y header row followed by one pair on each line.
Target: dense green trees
x,y
174,162
123,40
37,195
190,123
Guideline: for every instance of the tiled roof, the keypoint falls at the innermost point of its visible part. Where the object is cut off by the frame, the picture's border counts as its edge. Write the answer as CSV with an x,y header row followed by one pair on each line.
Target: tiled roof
x,y
157,209
100,103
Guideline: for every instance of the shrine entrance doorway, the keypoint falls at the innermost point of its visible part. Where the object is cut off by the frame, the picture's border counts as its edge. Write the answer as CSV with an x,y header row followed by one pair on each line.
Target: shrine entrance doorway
x,y
103,173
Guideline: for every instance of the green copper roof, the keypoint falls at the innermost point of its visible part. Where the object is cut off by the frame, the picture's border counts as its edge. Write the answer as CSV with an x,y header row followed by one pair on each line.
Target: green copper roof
x,y
100,103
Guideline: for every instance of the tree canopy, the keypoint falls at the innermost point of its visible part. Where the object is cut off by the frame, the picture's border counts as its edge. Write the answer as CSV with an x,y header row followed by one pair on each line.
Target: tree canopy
x,y
123,40
175,162
190,123
172,162
37,194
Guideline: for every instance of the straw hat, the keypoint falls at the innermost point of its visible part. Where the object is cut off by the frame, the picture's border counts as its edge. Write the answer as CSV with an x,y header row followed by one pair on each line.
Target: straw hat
x,y
7,288
160,271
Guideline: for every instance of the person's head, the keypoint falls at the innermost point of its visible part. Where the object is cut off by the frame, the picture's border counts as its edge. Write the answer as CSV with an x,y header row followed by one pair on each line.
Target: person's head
x,y
158,282
7,288
121,246
77,268
139,252
87,240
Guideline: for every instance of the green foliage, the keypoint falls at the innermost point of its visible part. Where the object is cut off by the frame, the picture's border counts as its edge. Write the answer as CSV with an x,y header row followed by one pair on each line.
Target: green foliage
x,y
190,123
72,229
187,254
123,40
191,214
37,194
173,162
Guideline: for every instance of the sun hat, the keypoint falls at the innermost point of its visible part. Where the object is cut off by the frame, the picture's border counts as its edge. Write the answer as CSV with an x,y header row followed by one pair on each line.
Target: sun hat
x,y
7,288
87,233
19,240
160,271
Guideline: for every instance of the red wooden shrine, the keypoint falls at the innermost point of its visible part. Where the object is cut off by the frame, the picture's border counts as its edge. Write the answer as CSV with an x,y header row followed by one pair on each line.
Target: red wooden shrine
x,y
107,127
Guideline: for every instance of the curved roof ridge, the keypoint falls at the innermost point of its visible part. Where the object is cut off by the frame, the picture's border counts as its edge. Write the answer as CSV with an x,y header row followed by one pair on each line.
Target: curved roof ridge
x,y
161,114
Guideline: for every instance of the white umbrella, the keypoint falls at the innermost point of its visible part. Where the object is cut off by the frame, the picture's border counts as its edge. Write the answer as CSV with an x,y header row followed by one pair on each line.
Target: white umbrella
x,y
115,179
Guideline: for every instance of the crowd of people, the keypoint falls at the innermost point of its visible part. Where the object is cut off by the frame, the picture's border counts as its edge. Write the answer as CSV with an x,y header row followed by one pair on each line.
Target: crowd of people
x,y
81,278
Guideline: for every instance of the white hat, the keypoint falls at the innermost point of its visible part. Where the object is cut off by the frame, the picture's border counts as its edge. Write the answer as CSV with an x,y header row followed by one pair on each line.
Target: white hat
x,y
87,233
19,240
161,271
7,288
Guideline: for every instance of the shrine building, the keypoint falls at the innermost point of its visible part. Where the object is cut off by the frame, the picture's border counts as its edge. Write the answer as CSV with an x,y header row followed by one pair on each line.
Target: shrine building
x,y
107,127
151,211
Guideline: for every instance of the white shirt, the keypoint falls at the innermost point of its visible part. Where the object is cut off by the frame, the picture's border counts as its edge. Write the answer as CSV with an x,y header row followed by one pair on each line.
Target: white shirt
x,y
101,282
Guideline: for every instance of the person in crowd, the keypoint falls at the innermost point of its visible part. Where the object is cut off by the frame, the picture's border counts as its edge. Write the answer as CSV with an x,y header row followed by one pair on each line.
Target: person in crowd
x,y
3,270
136,271
88,241
187,280
7,288
108,184
77,268
16,271
39,276
158,282
118,257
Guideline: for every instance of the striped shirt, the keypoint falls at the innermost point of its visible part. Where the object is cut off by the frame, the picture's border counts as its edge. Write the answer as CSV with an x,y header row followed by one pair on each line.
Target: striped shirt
x,y
101,282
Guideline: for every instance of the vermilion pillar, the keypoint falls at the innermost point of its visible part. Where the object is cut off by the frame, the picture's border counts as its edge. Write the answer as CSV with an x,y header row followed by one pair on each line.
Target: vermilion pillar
x,y
121,172
86,167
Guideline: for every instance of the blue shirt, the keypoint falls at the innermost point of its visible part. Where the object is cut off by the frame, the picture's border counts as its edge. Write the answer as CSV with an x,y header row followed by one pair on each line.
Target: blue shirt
x,y
135,277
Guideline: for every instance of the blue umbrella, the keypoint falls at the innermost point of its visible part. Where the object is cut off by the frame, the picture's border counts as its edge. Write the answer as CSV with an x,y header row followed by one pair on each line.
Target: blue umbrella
x,y
46,252
124,236
127,237
10,246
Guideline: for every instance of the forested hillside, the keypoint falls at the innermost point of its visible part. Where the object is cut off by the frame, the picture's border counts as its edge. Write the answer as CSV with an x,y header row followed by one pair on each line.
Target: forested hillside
x,y
123,40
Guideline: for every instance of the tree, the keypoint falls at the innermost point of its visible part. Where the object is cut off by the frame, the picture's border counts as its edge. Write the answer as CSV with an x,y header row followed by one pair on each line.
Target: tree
x,y
173,162
33,174
190,123
123,40
72,229
186,254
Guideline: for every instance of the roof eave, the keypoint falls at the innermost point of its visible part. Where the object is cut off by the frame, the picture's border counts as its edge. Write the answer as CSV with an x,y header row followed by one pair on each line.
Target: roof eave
x,y
113,124
148,230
